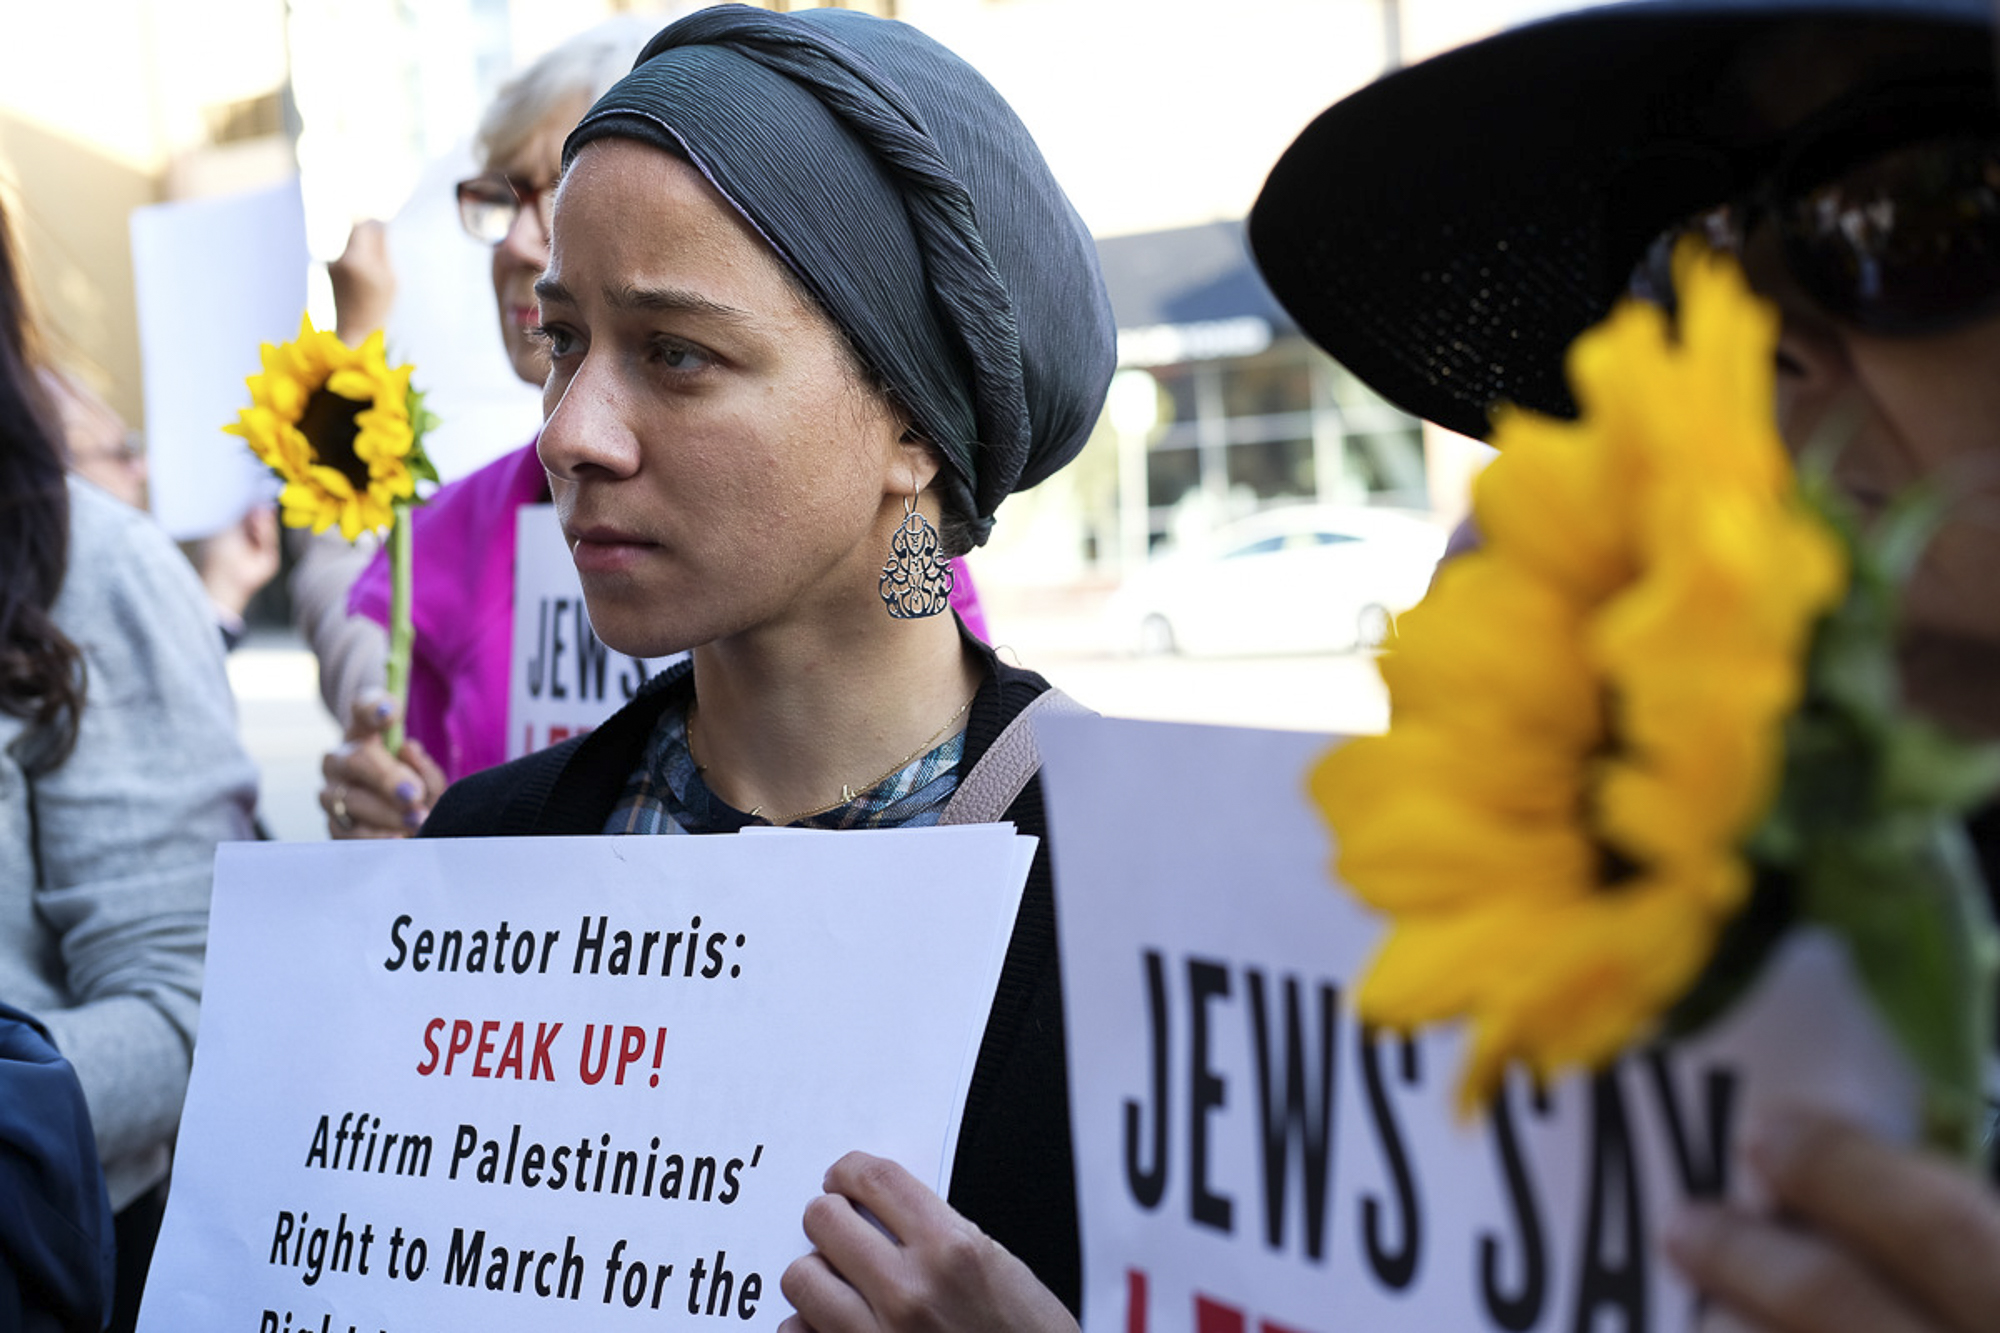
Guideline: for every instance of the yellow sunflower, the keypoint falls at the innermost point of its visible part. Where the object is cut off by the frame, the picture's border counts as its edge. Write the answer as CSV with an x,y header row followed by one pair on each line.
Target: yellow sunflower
x,y
336,424
1587,712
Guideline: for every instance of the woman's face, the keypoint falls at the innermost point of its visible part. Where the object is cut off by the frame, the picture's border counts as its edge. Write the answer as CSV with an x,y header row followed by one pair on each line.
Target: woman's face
x,y
1922,406
1919,407
523,252
718,465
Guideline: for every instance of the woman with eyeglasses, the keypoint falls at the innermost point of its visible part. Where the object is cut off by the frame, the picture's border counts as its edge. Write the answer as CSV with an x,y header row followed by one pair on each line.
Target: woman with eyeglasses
x,y
464,603
815,307
1449,230
464,609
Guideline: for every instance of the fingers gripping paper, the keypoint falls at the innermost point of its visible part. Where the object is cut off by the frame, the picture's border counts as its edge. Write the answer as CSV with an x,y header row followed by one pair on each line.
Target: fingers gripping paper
x,y
564,1083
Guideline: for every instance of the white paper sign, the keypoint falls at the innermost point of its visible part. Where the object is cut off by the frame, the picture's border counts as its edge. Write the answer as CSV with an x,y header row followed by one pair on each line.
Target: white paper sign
x,y
577,1083
562,680
1246,1159
214,278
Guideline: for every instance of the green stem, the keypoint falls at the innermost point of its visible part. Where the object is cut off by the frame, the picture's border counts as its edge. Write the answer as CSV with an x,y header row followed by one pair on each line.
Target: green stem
x,y
1955,1110
400,630
1907,896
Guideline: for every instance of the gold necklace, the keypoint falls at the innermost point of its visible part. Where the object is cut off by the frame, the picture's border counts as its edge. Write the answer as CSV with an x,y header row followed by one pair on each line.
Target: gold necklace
x,y
848,795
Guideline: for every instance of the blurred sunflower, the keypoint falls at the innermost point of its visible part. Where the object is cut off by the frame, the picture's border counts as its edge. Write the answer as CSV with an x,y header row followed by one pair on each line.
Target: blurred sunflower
x,y
1588,712
340,427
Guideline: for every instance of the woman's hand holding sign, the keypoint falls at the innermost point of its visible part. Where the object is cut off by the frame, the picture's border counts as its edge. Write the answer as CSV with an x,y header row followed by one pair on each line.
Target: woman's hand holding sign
x,y
1876,1238
920,1268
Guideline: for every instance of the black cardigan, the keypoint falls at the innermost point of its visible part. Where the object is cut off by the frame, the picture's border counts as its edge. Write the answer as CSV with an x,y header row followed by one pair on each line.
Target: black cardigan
x,y
1013,1175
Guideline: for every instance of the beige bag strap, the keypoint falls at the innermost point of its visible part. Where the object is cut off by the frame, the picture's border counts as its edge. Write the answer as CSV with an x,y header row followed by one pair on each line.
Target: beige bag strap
x,y
1013,758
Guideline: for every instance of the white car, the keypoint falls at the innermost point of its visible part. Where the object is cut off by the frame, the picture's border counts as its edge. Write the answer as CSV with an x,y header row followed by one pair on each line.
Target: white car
x,y
1299,579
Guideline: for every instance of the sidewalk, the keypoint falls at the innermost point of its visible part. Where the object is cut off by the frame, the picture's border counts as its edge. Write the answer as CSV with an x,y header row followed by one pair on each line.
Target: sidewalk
x,y
285,728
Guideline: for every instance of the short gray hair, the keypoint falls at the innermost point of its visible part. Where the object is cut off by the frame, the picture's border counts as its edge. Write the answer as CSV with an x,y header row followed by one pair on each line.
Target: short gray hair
x,y
581,69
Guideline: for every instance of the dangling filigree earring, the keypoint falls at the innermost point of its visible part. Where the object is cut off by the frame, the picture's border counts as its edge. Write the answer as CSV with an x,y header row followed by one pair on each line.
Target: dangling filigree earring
x,y
917,580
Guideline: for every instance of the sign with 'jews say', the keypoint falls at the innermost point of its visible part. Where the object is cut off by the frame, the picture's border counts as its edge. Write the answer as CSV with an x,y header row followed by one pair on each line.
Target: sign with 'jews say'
x,y
1250,1158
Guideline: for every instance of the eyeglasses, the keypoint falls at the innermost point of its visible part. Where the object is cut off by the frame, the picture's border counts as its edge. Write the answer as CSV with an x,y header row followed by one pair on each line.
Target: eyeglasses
x,y
489,205
1886,212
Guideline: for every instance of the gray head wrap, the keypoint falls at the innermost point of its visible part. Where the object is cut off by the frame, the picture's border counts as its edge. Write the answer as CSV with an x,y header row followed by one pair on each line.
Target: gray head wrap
x,y
912,203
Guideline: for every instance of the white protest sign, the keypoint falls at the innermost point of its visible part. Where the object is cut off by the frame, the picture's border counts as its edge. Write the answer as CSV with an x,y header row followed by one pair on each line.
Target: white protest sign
x,y
1247,1158
213,279
562,680
579,1083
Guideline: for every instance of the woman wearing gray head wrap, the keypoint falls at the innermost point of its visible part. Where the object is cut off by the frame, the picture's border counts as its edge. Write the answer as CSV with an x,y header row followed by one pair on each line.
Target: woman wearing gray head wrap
x,y
910,202
815,306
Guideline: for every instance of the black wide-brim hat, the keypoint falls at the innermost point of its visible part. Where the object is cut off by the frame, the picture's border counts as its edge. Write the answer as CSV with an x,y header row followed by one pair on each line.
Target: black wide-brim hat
x,y
1448,230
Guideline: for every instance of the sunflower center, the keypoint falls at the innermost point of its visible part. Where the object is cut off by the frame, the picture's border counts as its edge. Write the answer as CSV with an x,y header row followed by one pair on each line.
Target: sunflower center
x,y
328,425
1615,867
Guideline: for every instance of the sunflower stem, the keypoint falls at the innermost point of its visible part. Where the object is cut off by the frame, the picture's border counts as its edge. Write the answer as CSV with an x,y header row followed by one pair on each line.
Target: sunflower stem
x,y
400,630
1955,1110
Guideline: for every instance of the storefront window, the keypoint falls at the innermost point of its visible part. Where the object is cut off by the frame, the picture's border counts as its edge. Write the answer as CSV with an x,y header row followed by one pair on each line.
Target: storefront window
x,y
1285,426
1177,383
1267,385
1170,475
1272,469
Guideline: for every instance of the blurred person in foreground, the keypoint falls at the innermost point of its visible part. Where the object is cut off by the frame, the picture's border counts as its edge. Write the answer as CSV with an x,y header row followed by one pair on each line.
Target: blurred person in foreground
x,y
120,771
1849,152
464,536
815,307
58,1258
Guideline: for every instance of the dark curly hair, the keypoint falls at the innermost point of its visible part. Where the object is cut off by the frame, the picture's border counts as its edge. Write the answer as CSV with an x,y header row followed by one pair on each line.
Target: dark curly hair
x,y
41,671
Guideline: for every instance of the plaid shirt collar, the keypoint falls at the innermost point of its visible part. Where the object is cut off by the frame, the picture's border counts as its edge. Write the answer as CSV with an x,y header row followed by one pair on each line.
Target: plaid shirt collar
x,y
666,793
